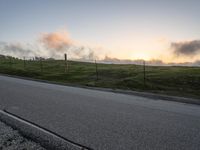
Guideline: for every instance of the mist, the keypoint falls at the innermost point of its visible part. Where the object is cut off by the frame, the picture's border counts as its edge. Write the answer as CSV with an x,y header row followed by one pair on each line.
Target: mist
x,y
55,44
49,45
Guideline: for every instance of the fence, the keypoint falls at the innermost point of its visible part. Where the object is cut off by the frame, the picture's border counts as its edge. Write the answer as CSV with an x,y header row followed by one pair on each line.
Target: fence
x,y
94,71
164,79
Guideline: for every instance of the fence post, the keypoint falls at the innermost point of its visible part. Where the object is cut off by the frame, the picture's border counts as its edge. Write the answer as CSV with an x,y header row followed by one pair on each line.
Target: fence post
x,y
97,74
41,65
66,63
10,62
144,71
24,63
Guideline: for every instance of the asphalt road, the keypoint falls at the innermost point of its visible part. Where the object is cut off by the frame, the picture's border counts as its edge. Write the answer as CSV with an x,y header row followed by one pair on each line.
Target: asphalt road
x,y
103,120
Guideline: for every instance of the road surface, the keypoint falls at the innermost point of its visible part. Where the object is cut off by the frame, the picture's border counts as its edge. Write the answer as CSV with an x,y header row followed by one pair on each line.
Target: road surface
x,y
103,120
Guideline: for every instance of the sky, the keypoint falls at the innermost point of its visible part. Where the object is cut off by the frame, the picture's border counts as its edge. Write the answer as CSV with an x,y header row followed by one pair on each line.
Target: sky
x,y
125,29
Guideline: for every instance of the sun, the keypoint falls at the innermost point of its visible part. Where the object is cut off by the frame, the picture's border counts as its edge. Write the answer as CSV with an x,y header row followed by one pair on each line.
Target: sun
x,y
141,55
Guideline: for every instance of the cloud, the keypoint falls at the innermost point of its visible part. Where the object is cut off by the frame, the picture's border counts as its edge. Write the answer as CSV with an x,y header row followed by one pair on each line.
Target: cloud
x,y
49,45
189,48
59,41
18,50
154,62
79,53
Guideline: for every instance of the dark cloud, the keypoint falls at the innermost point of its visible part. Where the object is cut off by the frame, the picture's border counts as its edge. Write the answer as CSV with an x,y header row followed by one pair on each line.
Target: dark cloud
x,y
190,48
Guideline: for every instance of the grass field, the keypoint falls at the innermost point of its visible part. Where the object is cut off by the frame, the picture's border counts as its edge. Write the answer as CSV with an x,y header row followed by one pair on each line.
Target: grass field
x,y
179,81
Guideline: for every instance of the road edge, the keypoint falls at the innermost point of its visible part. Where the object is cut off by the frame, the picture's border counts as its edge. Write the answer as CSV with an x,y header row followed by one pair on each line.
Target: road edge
x,y
44,137
155,96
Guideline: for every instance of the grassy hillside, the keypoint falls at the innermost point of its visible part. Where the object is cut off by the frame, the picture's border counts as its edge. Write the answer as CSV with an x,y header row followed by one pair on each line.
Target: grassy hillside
x,y
181,81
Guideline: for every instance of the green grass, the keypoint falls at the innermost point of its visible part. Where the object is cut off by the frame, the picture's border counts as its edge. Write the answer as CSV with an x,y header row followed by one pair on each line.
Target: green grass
x,y
179,81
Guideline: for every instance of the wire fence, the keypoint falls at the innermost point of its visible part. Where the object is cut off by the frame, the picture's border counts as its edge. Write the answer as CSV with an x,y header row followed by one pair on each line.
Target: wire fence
x,y
185,80
92,69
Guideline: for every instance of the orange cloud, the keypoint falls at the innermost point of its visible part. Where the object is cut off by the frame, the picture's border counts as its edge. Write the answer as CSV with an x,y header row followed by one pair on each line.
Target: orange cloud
x,y
57,40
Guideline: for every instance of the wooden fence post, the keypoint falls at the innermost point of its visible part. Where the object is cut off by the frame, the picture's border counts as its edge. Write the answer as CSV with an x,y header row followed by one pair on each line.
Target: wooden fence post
x,y
97,74
24,63
10,62
144,71
66,63
41,65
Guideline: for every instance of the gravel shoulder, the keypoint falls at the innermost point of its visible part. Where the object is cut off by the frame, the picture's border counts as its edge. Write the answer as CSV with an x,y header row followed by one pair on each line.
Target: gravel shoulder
x,y
11,139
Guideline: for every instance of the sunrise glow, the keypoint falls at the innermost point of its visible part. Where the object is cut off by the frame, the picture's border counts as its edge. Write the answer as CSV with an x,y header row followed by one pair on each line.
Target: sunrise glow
x,y
127,30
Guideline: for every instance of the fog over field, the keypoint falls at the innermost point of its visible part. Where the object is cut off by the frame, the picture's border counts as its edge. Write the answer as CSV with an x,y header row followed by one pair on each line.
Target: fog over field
x,y
55,44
